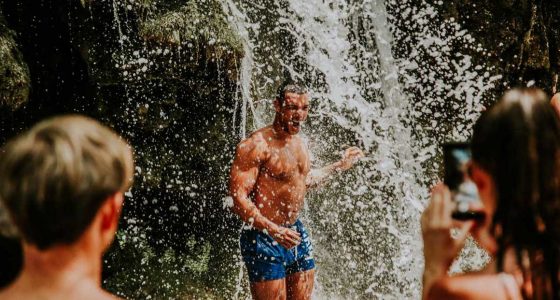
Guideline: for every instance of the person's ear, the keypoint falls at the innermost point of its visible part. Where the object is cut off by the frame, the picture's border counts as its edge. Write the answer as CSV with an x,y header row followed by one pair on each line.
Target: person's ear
x,y
110,213
485,185
480,177
277,105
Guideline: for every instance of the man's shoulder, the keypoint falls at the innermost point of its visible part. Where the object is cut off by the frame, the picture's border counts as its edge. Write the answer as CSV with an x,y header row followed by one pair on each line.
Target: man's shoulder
x,y
4,294
87,293
262,133
259,138
256,144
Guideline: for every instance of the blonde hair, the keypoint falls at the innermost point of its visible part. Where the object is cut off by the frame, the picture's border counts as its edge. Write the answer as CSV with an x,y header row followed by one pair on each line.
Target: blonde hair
x,y
55,177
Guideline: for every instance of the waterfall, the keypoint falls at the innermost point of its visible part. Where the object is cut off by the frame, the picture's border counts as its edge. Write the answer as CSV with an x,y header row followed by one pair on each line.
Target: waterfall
x,y
380,75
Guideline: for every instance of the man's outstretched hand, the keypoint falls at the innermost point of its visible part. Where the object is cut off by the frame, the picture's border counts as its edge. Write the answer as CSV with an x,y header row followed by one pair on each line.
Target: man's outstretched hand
x,y
350,157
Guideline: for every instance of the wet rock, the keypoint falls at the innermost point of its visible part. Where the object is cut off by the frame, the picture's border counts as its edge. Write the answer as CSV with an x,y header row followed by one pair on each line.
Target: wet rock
x,y
199,28
168,85
14,73
521,37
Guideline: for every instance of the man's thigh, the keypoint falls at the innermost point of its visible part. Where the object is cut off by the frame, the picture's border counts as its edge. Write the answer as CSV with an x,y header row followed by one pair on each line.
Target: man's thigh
x,y
300,285
269,290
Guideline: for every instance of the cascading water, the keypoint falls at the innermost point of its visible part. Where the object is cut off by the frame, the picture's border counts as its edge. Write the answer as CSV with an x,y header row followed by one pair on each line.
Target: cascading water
x,y
383,75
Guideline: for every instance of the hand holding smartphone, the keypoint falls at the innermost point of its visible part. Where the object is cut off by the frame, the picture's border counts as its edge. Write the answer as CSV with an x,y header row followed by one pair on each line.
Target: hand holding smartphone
x,y
457,160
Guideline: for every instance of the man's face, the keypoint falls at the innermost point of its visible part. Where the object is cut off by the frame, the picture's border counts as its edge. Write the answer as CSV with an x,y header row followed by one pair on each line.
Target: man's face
x,y
293,111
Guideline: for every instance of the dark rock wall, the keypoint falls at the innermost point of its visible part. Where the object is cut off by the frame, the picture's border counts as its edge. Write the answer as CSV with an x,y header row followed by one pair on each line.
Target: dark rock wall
x,y
50,37
522,37
14,74
177,112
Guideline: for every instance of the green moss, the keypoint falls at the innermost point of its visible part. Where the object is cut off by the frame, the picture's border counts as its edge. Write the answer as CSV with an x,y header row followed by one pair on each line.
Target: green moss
x,y
14,73
141,273
200,26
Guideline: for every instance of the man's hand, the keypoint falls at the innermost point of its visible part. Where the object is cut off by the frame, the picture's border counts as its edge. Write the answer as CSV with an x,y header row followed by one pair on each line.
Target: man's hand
x,y
316,178
350,157
286,237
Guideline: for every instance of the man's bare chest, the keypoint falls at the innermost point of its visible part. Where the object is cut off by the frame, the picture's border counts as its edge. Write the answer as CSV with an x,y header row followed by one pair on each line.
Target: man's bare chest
x,y
287,163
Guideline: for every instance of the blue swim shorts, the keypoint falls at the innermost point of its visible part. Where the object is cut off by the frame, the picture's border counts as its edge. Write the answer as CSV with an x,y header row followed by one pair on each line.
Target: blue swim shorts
x,y
265,259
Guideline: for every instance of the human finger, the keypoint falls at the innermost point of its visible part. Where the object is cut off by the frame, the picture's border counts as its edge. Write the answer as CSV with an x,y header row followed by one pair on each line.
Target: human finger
x,y
437,207
461,236
286,244
293,242
293,234
428,211
427,215
356,151
293,239
424,218
357,154
289,242
361,154
447,206
282,238
350,150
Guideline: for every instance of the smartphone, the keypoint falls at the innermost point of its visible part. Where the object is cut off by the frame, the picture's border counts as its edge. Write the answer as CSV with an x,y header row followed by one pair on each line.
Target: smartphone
x,y
456,160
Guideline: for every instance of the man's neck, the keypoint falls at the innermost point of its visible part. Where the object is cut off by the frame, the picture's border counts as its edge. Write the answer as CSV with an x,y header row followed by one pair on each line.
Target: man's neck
x,y
279,131
60,268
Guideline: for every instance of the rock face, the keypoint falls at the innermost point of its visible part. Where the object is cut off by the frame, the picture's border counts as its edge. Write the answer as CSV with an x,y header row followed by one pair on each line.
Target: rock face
x,y
14,74
522,38
164,75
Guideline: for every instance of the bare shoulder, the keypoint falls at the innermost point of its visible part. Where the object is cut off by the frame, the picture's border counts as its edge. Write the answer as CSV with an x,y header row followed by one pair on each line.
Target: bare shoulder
x,y
98,294
85,292
4,294
468,287
109,296
255,146
12,291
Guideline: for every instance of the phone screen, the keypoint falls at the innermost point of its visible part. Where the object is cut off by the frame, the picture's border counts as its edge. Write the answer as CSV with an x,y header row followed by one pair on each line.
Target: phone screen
x,y
456,159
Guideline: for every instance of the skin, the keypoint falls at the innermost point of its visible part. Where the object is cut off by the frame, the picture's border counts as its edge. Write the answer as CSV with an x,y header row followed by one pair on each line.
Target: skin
x,y
555,102
69,271
269,178
440,249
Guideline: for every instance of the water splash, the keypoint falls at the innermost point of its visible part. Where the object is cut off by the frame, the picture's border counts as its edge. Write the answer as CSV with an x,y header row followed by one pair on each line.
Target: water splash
x,y
384,75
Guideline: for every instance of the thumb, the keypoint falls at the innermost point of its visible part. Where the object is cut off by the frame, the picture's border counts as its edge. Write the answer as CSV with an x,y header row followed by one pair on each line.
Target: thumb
x,y
463,233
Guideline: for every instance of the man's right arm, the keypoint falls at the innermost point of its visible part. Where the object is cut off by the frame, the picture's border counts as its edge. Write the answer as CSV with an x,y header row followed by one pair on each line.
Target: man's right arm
x,y
243,176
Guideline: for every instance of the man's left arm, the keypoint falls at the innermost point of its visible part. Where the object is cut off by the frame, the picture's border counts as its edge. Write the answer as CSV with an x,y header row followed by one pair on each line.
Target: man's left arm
x,y
318,177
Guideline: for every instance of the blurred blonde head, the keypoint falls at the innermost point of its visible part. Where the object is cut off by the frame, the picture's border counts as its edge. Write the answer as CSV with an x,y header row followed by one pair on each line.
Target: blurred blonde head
x,y
57,175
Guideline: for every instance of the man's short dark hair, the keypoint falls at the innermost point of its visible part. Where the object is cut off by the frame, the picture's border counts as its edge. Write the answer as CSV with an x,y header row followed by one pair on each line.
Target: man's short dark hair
x,y
289,88
55,177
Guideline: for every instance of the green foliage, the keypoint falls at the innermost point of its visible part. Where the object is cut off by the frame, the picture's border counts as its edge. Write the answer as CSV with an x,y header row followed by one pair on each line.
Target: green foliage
x,y
137,271
200,25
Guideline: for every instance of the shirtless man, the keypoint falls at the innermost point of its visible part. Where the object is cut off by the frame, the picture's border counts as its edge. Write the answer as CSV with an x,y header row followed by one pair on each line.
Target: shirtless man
x,y
62,184
269,179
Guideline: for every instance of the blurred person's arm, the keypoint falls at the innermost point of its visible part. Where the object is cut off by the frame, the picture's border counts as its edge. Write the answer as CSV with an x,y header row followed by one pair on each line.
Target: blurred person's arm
x,y
440,249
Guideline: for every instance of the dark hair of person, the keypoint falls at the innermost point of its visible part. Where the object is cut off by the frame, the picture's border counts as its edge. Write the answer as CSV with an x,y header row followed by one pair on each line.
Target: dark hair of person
x,y
55,177
518,142
289,88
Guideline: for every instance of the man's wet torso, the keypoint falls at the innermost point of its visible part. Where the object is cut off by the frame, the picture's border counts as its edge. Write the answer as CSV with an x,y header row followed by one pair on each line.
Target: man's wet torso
x,y
280,186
